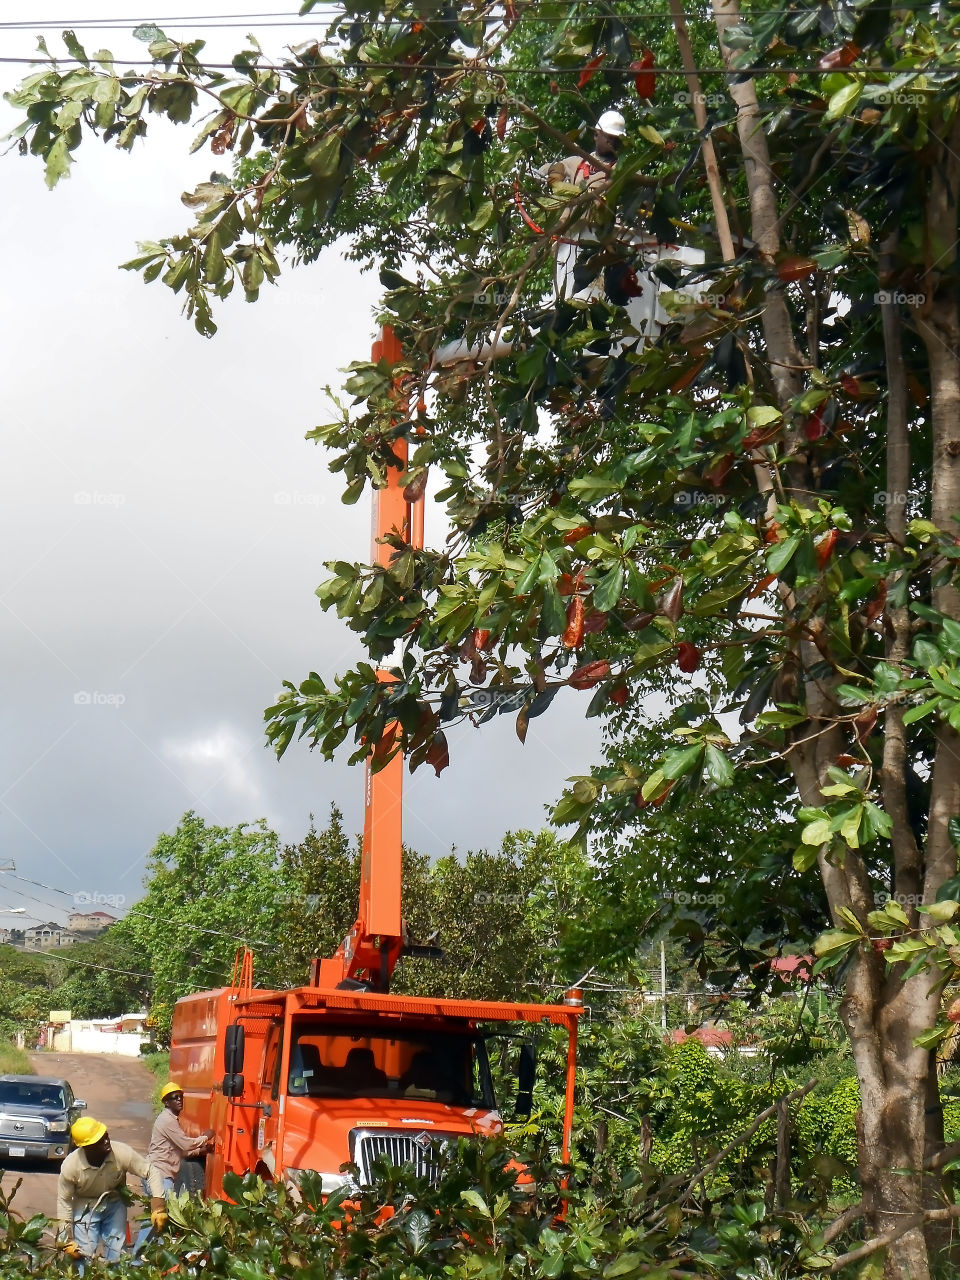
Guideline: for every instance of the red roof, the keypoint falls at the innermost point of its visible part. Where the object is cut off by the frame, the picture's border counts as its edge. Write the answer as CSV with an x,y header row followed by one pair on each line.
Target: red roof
x,y
709,1037
793,967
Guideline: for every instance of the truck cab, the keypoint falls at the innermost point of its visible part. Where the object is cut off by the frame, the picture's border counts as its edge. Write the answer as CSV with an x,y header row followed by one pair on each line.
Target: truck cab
x,y
318,1079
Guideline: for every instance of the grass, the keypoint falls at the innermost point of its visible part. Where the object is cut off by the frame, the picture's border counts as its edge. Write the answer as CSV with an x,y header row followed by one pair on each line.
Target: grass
x,y
14,1061
159,1064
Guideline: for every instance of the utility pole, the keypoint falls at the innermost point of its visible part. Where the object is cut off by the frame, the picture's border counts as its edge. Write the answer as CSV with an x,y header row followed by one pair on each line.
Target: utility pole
x,y
663,986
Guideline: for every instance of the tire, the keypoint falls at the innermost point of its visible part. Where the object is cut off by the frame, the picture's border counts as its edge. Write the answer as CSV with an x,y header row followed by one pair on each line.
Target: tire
x,y
192,1176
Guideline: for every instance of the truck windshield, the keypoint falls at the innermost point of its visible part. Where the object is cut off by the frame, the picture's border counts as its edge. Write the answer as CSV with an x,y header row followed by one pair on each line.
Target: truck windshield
x,y
28,1094
358,1062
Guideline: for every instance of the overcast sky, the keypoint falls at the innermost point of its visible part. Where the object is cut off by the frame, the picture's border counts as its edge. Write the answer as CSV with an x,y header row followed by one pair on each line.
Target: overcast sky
x,y
165,524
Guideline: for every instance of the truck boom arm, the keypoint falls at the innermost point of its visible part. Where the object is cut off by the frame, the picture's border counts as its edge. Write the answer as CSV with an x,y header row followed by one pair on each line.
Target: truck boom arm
x,y
372,948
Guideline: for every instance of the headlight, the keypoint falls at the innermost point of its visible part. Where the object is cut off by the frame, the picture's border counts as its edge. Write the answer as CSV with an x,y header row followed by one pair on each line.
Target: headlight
x,y
56,1126
329,1182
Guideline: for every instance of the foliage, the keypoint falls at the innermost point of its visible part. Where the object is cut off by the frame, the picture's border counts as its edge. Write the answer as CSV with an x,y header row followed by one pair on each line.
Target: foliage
x,y
14,1061
757,508
477,1222
209,890
100,978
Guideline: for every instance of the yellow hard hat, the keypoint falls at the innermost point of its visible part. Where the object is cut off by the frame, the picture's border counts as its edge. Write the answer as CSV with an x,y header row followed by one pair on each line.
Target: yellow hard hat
x,y
168,1088
86,1131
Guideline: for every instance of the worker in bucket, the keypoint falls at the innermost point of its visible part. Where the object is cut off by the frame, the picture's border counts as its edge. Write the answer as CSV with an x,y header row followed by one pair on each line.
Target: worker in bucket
x,y
608,136
575,232
90,1210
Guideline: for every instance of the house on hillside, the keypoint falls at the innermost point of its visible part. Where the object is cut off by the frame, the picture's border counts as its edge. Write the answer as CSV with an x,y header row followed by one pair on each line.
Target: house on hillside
x,y
90,921
39,937
45,937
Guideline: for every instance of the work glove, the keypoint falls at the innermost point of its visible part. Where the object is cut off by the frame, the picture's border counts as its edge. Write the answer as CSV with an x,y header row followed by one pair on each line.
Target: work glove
x,y
72,1250
158,1213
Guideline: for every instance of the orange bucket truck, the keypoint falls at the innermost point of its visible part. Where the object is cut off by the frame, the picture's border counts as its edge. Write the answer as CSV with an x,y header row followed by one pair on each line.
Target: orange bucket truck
x,y
341,1070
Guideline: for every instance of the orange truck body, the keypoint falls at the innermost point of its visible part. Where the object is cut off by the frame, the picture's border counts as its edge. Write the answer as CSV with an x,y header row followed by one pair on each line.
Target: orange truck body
x,y
336,1076
340,1070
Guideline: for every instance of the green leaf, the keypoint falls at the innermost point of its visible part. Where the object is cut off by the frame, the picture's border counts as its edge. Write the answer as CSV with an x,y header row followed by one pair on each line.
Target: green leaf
x,y
834,940
58,162
476,1199
941,912
805,857
913,714
780,555
681,760
843,100
324,156
607,592
717,767
252,274
935,1036
950,636
760,415
626,1264
926,653
817,833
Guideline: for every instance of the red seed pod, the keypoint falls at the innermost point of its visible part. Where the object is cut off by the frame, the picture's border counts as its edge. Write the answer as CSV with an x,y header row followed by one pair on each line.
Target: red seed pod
x,y
688,656
589,674
573,636
645,80
619,694
841,57
823,547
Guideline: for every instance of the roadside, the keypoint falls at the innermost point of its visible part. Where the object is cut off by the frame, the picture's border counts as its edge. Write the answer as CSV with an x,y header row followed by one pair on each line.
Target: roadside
x,y
117,1091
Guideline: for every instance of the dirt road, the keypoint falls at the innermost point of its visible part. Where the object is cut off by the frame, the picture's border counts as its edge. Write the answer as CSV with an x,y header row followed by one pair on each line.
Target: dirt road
x,y
116,1090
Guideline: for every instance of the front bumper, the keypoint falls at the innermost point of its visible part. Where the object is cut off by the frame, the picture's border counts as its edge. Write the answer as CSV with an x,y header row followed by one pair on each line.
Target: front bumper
x,y
10,1149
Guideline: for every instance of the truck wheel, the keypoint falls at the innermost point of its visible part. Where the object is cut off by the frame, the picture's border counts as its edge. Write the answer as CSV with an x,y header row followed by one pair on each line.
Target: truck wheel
x,y
192,1176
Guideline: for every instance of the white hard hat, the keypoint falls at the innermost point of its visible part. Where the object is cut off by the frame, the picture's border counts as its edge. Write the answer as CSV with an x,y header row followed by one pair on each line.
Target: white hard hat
x,y
613,123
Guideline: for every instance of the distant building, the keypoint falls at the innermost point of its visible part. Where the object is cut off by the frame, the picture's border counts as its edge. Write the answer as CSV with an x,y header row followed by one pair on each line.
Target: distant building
x,y
39,937
44,937
89,922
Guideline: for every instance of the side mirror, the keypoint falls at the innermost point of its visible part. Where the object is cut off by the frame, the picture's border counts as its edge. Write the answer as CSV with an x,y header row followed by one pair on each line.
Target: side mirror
x,y
79,1102
526,1076
233,1049
232,1086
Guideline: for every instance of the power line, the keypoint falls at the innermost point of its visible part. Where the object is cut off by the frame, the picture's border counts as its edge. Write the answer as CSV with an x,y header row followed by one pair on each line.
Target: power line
x,y
494,72
135,910
337,10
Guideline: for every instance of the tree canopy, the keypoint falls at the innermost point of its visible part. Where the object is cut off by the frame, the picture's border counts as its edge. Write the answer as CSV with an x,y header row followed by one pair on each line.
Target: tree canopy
x,y
760,504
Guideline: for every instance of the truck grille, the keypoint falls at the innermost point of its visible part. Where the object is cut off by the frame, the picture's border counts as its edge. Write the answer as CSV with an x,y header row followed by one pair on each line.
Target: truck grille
x,y
399,1148
21,1129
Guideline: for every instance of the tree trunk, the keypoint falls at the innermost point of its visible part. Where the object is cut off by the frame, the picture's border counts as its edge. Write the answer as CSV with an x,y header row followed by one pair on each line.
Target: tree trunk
x,y
883,1014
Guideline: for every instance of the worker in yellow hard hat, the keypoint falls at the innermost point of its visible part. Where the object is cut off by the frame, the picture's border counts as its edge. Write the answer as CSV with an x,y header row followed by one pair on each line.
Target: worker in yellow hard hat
x,y
170,1144
90,1211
